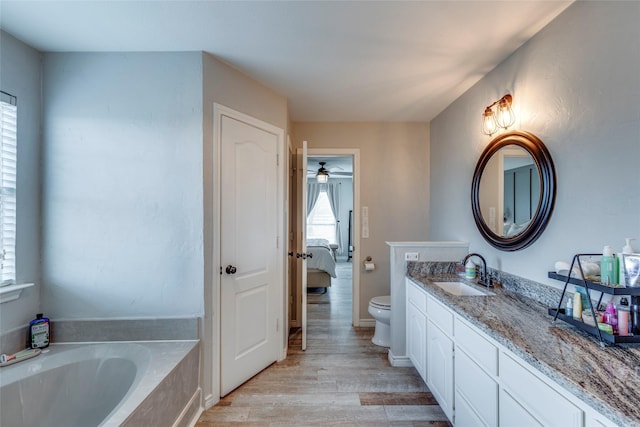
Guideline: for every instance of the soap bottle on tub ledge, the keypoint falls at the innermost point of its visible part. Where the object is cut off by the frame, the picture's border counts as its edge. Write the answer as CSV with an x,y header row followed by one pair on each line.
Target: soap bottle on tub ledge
x,y
39,332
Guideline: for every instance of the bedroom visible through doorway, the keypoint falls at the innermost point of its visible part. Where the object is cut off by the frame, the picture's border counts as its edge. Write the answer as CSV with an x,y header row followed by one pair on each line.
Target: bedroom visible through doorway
x,y
330,236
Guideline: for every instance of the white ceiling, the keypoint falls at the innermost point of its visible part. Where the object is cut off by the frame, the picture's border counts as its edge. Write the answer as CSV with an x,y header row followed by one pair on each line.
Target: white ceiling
x,y
333,60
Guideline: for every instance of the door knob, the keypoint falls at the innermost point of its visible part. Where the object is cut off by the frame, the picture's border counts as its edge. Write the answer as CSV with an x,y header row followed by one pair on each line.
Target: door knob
x,y
231,269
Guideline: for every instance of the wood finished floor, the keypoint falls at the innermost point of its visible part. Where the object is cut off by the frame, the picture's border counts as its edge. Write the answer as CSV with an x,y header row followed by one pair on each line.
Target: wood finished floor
x,y
342,379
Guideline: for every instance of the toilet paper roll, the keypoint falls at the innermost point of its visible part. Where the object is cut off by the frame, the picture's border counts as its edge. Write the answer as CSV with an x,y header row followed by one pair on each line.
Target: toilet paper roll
x,y
369,266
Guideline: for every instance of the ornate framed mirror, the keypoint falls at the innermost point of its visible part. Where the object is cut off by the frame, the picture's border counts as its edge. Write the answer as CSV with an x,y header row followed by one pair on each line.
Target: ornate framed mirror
x,y
513,190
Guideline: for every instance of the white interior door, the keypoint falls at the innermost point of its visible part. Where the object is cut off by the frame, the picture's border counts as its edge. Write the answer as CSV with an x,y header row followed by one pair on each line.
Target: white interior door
x,y
249,253
303,248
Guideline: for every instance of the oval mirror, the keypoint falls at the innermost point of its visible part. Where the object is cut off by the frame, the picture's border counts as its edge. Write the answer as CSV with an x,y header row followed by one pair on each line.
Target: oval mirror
x,y
513,190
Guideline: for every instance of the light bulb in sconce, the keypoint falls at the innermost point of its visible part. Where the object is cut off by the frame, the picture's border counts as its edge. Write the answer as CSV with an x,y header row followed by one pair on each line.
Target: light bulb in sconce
x,y
505,116
501,117
489,125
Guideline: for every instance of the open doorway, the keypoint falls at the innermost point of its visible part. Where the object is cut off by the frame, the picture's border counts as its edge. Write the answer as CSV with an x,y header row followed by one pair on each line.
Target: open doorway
x,y
329,217
329,224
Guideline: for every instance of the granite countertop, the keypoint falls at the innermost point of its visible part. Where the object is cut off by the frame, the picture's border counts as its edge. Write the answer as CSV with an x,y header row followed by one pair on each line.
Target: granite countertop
x,y
607,379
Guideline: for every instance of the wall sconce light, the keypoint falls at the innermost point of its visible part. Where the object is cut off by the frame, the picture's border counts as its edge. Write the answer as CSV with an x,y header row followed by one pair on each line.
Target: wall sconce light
x,y
503,116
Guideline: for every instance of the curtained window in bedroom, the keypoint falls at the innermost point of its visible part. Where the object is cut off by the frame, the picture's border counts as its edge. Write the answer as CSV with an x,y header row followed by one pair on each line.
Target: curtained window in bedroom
x,y
322,205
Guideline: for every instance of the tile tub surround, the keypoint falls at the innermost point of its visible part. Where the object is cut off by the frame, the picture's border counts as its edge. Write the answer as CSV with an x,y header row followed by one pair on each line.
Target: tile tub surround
x,y
605,379
176,399
125,330
107,330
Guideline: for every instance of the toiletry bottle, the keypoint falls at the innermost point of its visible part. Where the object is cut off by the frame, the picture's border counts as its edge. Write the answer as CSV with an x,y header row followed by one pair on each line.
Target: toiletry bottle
x,y
611,317
623,318
635,319
607,267
568,311
626,250
39,332
470,270
577,306
584,298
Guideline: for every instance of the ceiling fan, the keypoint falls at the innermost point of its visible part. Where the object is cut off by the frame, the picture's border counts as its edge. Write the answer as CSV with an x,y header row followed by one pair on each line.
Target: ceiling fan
x,y
322,174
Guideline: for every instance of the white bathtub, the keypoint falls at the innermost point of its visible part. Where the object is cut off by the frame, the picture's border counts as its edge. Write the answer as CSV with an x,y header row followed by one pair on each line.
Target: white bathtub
x,y
104,384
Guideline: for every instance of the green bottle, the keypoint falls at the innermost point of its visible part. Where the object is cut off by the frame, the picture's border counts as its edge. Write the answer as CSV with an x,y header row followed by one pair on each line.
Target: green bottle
x,y
608,270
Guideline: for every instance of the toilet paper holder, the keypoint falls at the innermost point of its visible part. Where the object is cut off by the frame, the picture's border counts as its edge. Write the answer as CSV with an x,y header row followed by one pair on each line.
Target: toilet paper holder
x,y
368,265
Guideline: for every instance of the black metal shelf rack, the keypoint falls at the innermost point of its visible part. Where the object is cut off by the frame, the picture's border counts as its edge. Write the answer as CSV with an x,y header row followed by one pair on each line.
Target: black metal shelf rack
x,y
559,313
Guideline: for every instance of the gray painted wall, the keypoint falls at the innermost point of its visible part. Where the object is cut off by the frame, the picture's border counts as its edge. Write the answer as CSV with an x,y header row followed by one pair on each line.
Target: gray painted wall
x,y
21,76
122,185
576,85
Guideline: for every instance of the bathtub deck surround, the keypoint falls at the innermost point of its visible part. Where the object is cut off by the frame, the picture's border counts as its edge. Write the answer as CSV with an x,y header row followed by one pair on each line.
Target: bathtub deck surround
x,y
159,358
112,384
604,379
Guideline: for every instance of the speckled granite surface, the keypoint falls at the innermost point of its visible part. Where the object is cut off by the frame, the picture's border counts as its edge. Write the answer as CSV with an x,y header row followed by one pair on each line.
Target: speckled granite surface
x,y
607,379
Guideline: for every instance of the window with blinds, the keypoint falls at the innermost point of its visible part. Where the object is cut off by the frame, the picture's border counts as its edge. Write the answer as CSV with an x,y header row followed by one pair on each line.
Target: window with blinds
x,y
8,167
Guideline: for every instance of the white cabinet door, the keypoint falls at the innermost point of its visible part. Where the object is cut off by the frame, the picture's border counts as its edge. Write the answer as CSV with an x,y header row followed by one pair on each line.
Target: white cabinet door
x,y
512,414
465,416
476,389
597,420
543,401
440,367
417,339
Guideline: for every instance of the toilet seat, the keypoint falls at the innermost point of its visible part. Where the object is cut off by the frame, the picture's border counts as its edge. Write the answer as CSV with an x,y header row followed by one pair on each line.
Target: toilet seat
x,y
383,302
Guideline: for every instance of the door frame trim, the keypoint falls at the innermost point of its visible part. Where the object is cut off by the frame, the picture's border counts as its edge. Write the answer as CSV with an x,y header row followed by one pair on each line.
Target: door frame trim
x,y
354,153
210,335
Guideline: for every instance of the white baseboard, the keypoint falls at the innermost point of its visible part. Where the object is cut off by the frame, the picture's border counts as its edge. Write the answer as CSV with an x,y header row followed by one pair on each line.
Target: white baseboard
x,y
209,401
193,402
399,361
367,323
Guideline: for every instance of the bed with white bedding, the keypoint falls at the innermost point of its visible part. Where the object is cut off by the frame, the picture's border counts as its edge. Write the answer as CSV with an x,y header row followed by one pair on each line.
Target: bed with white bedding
x,y
321,267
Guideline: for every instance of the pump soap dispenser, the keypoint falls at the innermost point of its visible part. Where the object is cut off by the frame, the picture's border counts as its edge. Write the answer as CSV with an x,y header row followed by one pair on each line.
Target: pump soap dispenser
x,y
626,250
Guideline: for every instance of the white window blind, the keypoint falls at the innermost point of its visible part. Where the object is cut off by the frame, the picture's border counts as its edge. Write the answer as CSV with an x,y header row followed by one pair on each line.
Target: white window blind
x,y
8,164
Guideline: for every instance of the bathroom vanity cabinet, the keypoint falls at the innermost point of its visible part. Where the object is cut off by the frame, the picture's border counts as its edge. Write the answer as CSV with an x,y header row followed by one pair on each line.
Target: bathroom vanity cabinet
x,y
478,381
429,346
440,354
417,329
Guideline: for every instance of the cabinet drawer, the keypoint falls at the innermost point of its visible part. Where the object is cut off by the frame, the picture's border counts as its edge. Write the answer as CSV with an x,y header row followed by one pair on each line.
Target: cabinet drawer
x,y
440,316
548,406
478,348
417,296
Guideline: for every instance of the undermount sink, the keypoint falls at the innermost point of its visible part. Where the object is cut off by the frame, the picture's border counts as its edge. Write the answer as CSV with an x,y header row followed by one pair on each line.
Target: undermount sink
x,y
462,289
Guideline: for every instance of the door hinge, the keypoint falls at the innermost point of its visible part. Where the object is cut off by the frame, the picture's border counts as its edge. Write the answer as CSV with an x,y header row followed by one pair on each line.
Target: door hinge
x,y
221,270
278,159
277,325
277,242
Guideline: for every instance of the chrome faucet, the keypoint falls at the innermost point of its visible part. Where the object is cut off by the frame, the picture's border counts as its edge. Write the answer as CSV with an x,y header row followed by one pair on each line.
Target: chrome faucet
x,y
484,278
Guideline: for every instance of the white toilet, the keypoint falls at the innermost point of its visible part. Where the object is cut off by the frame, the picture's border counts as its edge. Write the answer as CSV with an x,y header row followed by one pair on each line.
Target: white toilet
x,y
380,309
